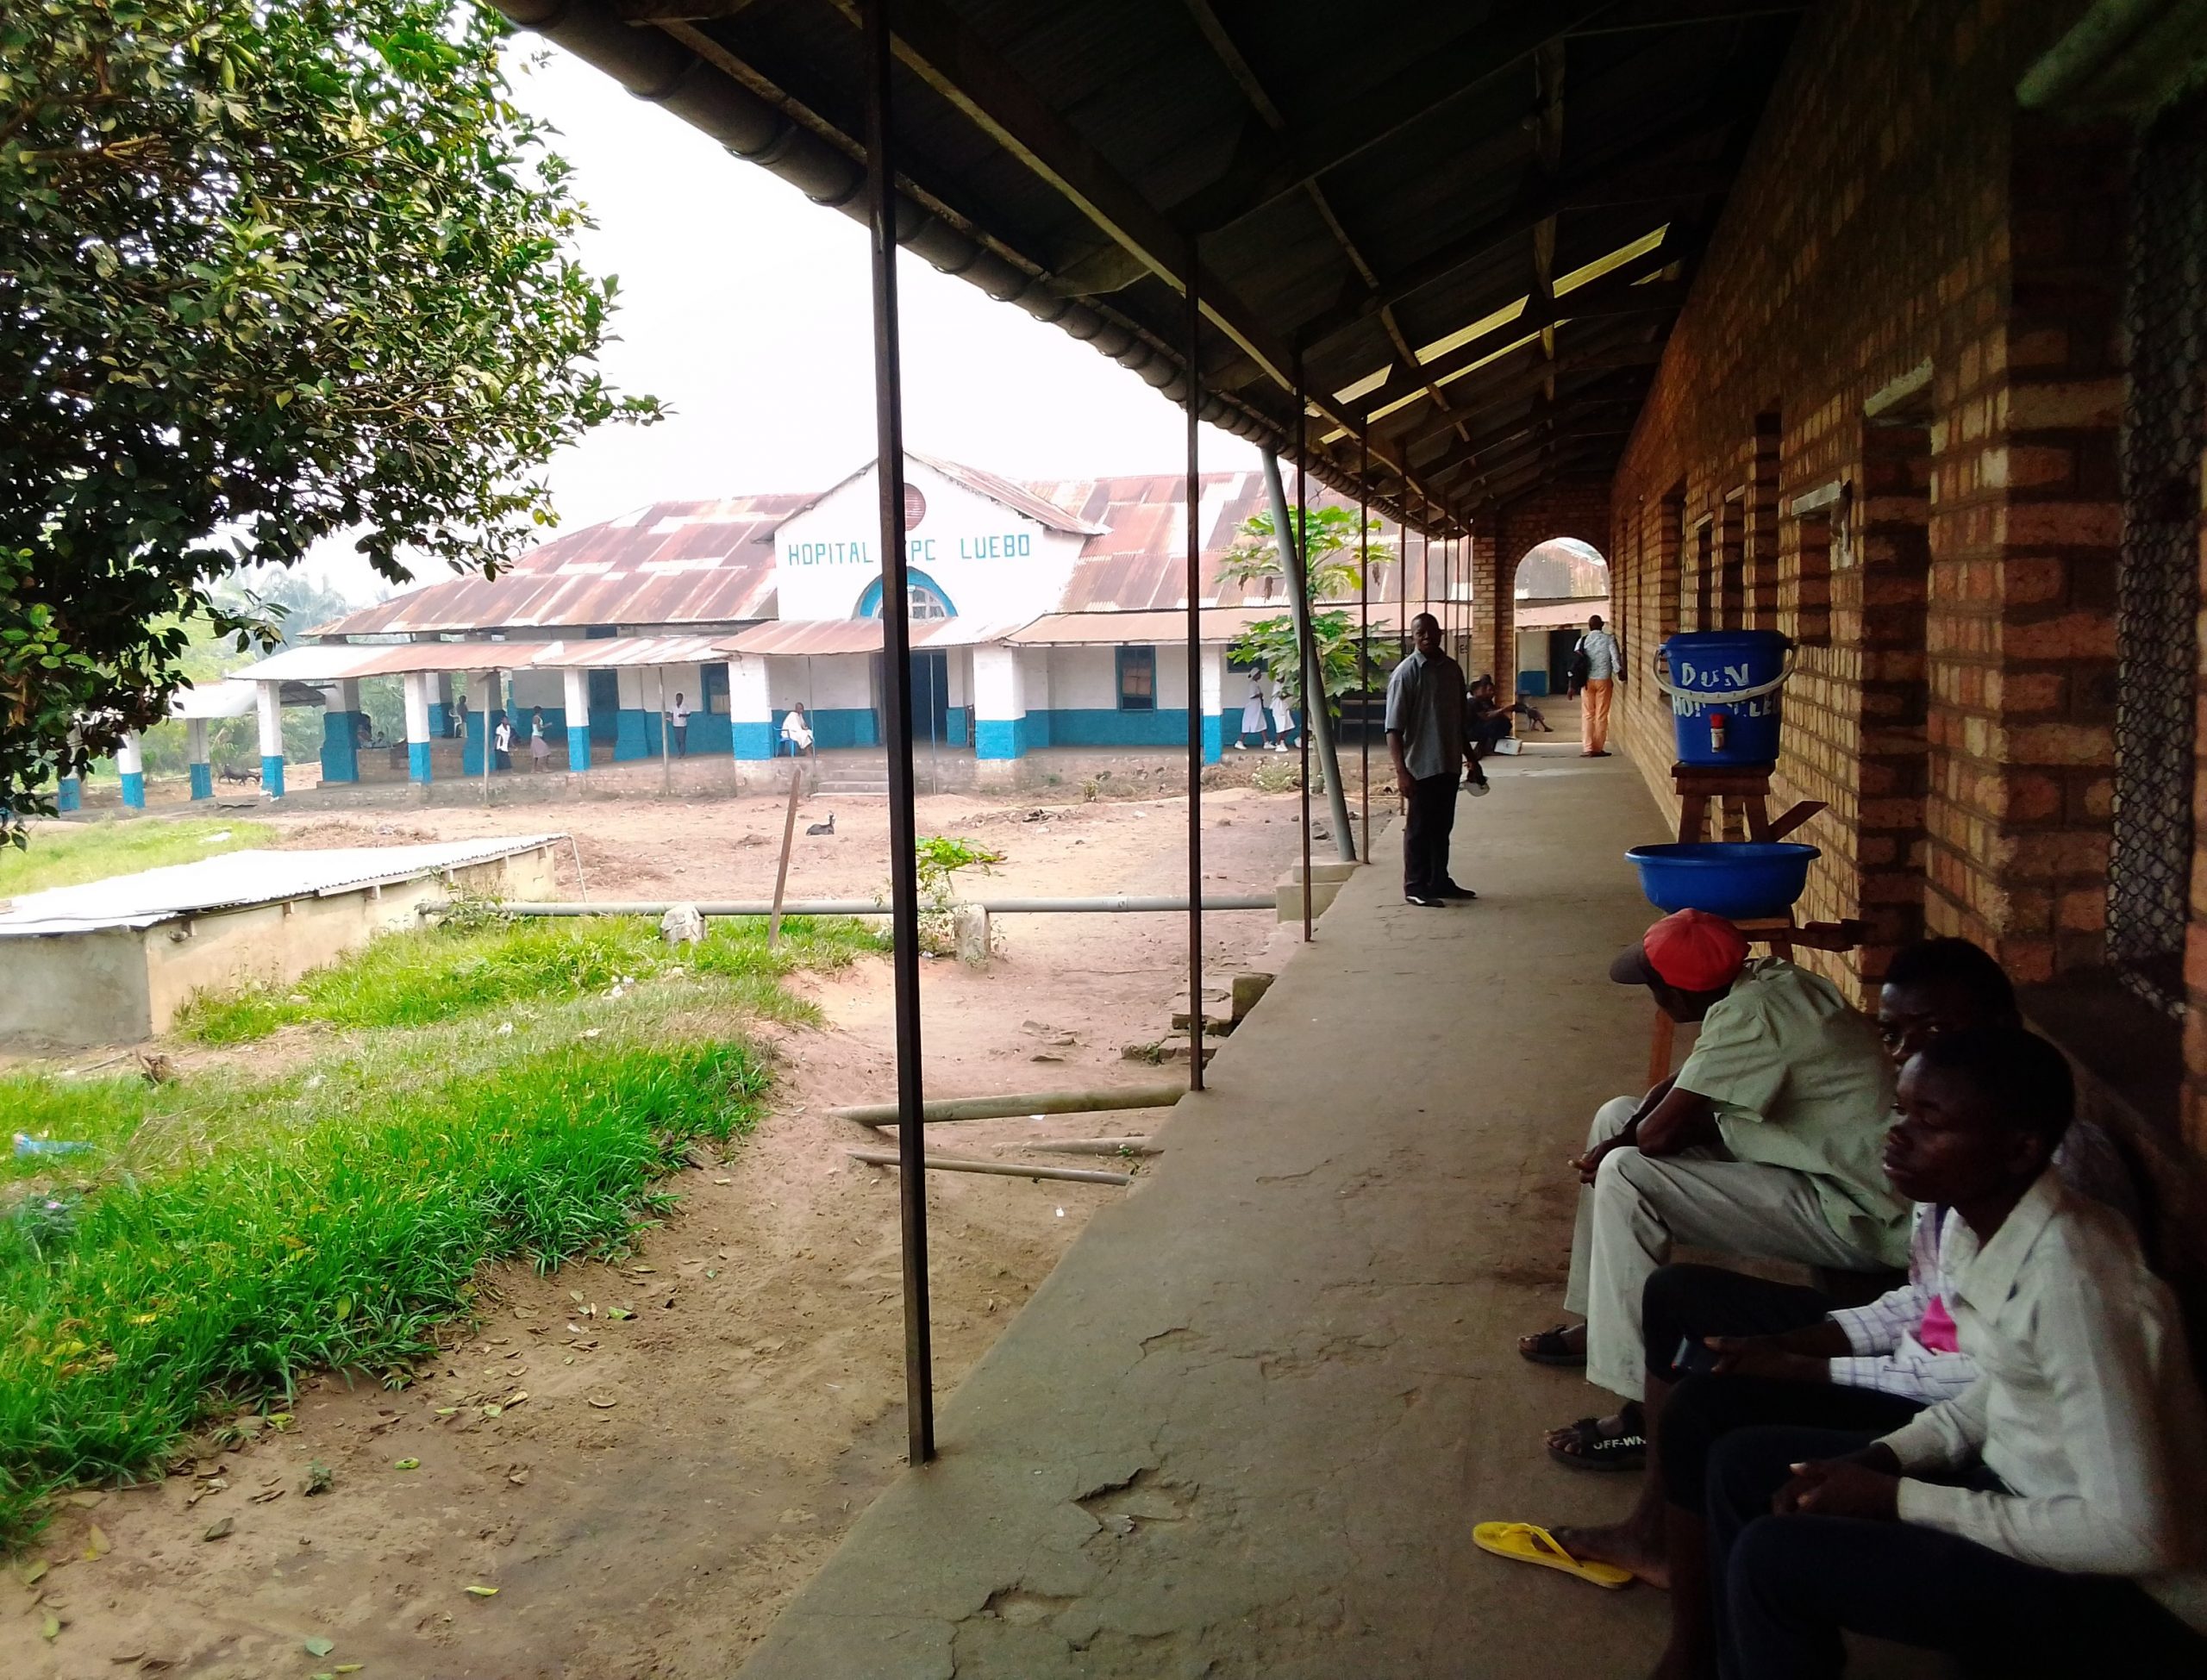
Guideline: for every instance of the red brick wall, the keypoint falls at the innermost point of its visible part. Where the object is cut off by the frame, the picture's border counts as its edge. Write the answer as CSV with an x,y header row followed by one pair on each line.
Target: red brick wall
x,y
1502,540
1953,706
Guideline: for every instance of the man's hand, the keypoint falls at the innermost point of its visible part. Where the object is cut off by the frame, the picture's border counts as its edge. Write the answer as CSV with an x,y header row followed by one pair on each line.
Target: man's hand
x,y
1865,1485
1590,1162
1762,1356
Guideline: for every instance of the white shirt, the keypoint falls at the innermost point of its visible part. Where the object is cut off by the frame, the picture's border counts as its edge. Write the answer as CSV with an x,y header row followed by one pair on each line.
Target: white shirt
x,y
1283,714
504,738
1885,1336
1600,648
678,714
794,730
2087,1408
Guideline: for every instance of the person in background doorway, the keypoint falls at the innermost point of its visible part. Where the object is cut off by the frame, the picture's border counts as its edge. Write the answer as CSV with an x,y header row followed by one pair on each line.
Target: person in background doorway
x,y
797,733
1252,719
502,742
1283,719
459,718
677,727
539,749
1597,666
1425,738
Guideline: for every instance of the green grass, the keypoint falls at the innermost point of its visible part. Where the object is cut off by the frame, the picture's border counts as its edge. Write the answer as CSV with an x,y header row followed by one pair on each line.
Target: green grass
x,y
67,855
439,974
242,1233
103,1113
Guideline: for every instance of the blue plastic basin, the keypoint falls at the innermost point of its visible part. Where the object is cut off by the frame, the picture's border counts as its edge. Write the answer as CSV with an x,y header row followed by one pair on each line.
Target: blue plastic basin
x,y
1739,880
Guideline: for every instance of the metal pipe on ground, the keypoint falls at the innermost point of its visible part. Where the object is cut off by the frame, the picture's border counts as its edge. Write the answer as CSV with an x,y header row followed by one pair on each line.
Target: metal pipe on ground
x,y
1030,1105
1112,905
1069,1174
1088,1146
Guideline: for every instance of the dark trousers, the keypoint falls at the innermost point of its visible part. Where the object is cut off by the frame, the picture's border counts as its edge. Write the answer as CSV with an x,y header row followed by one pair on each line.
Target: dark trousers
x,y
1425,833
1786,1587
681,734
1685,1303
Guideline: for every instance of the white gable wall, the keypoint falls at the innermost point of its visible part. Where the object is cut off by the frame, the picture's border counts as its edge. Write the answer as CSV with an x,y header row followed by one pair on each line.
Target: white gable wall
x,y
993,563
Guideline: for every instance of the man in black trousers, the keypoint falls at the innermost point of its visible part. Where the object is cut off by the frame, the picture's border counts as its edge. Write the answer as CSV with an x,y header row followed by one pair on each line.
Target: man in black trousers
x,y
1427,739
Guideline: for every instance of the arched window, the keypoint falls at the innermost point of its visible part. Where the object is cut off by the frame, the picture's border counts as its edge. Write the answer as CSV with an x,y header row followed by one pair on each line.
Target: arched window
x,y
926,596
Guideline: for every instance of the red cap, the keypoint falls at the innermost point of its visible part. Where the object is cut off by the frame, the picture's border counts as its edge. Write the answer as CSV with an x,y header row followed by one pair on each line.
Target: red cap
x,y
1690,949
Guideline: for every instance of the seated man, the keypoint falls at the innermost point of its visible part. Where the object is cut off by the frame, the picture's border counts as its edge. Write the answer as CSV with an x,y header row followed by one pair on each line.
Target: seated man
x,y
2051,1518
1765,1144
1788,1353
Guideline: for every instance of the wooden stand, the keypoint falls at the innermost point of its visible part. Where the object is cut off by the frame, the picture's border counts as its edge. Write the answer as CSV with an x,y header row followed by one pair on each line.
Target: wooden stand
x,y
1749,786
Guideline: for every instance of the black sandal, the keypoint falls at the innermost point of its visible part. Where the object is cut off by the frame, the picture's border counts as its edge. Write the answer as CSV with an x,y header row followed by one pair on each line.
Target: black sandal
x,y
1549,1348
1592,1450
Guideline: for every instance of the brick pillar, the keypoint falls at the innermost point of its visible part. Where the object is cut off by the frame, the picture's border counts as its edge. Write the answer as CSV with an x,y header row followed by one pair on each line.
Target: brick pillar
x,y
1491,606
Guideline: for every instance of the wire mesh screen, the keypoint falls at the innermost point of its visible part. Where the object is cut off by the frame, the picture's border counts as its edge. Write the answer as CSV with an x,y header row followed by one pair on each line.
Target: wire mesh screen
x,y
2163,433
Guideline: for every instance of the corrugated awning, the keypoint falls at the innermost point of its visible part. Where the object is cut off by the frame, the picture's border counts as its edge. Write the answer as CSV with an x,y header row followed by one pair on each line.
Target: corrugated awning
x,y
1220,625
227,698
332,662
613,653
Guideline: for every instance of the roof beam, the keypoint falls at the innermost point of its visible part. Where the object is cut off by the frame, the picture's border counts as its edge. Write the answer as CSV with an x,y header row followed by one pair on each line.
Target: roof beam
x,y
1625,374
1618,292
1635,17
935,43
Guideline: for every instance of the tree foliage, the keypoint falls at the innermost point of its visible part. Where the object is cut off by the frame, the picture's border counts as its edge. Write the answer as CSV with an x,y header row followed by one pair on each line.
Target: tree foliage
x,y
268,273
1336,561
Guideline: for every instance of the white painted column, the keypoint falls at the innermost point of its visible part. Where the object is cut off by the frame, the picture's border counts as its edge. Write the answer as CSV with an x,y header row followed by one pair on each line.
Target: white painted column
x,y
576,682
1212,664
750,707
999,703
419,701
271,708
196,758
130,765
488,701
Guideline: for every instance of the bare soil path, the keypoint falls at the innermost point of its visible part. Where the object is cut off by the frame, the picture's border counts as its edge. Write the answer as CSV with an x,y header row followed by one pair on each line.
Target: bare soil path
x,y
672,1475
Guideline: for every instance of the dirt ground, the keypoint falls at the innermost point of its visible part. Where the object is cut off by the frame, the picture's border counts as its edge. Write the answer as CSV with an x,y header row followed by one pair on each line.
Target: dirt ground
x,y
643,1461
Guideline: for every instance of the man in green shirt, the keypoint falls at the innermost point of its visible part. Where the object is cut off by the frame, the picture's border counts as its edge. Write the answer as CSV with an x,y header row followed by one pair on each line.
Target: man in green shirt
x,y
1767,1143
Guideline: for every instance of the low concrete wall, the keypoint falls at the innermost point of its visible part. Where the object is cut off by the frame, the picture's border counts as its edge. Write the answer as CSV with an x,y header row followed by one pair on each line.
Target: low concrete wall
x,y
119,986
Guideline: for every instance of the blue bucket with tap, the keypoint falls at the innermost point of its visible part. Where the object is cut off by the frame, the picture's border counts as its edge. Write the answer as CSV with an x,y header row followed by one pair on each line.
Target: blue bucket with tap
x,y
1724,687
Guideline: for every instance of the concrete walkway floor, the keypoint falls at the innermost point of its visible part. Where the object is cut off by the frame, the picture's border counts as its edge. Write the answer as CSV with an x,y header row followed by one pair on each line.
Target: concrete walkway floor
x,y
1246,1426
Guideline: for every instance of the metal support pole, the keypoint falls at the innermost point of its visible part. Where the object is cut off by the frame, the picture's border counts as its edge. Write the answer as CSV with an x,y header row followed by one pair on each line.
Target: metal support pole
x,y
1299,610
904,826
1305,651
666,728
1364,615
1195,688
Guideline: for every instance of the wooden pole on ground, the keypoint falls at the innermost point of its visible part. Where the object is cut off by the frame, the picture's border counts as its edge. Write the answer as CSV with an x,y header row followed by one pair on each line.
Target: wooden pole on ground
x,y
788,835
944,1109
1071,1174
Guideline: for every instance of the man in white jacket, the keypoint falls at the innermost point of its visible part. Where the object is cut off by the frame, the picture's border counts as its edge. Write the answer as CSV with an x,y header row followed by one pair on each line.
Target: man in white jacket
x,y
2051,1519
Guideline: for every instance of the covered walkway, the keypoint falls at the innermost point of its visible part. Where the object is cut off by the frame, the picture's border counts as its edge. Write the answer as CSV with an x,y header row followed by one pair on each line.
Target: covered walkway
x,y
1245,1428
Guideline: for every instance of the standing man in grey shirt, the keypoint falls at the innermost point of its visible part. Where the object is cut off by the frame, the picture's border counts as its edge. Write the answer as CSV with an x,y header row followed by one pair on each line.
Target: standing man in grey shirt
x,y
1427,737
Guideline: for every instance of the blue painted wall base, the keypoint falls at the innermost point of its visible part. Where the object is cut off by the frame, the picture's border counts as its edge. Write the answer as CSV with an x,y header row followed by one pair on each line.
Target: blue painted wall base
x,y
578,749
271,776
70,795
203,781
849,725
999,737
340,745
957,722
417,761
753,739
440,719
133,789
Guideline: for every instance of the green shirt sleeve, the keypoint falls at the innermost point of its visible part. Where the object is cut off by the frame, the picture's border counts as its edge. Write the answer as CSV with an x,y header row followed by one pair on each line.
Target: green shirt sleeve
x,y
1737,1062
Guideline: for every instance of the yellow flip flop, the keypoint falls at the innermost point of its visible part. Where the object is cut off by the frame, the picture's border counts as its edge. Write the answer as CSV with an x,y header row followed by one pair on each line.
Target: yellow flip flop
x,y
1528,1543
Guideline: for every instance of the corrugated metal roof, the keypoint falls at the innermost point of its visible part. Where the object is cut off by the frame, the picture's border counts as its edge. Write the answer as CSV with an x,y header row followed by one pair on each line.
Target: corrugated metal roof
x,y
234,880
1018,497
1367,184
1557,614
226,698
788,637
703,563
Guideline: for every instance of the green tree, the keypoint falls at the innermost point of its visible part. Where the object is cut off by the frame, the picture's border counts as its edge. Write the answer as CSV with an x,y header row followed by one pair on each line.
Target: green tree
x,y
1335,560
267,273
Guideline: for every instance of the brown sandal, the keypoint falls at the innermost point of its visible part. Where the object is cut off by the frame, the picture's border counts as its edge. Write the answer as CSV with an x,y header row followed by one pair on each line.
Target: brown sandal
x,y
1550,1347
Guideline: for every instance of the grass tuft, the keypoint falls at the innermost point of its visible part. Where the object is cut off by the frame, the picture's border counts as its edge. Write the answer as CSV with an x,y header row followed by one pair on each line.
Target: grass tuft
x,y
331,1219
67,855
438,974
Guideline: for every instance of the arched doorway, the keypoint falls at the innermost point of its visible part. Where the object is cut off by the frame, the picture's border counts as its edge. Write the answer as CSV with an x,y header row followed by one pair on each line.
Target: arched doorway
x,y
930,700
1559,585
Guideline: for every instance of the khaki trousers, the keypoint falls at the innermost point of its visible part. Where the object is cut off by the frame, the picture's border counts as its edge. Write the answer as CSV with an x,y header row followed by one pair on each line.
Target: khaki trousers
x,y
1594,715
1640,1205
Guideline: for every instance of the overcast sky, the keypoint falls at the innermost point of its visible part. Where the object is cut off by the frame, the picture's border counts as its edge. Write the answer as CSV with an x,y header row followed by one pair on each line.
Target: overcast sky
x,y
745,307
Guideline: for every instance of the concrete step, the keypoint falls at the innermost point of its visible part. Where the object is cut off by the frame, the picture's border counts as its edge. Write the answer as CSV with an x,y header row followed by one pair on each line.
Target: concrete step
x,y
847,789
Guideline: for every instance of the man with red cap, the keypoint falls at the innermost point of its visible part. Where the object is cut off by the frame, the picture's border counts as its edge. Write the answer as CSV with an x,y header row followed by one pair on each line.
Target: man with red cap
x,y
1766,1143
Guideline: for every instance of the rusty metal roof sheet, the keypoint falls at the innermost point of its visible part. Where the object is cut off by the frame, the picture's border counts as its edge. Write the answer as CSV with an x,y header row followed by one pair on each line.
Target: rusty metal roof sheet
x,y
702,563
1220,625
612,653
1559,615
